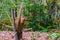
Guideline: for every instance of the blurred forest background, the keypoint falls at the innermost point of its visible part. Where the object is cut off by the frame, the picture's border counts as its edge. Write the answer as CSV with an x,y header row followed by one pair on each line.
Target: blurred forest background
x,y
42,15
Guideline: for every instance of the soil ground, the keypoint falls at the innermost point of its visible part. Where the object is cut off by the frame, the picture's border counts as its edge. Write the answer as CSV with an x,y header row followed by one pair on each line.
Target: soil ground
x,y
9,35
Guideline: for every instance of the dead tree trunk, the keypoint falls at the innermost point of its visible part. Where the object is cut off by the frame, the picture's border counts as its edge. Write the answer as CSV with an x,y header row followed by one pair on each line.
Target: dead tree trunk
x,y
19,22
13,23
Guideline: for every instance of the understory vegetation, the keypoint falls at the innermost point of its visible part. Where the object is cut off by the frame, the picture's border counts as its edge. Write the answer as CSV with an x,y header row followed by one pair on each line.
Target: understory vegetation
x,y
41,15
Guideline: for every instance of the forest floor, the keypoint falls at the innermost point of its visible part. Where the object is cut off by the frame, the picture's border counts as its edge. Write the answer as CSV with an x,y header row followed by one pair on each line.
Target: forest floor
x,y
9,35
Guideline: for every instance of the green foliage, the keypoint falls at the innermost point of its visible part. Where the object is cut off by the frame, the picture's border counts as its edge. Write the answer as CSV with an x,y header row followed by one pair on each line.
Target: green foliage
x,y
38,16
54,36
5,6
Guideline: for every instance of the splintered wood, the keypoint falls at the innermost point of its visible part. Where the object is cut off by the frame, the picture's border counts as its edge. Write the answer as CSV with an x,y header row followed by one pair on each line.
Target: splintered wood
x,y
18,22
19,16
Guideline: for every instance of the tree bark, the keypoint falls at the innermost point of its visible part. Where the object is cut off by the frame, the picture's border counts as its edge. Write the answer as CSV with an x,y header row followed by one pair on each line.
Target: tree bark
x,y
13,23
19,22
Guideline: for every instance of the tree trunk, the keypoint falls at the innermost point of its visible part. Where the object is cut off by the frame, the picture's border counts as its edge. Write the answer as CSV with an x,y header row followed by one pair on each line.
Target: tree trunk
x,y
19,22
13,23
